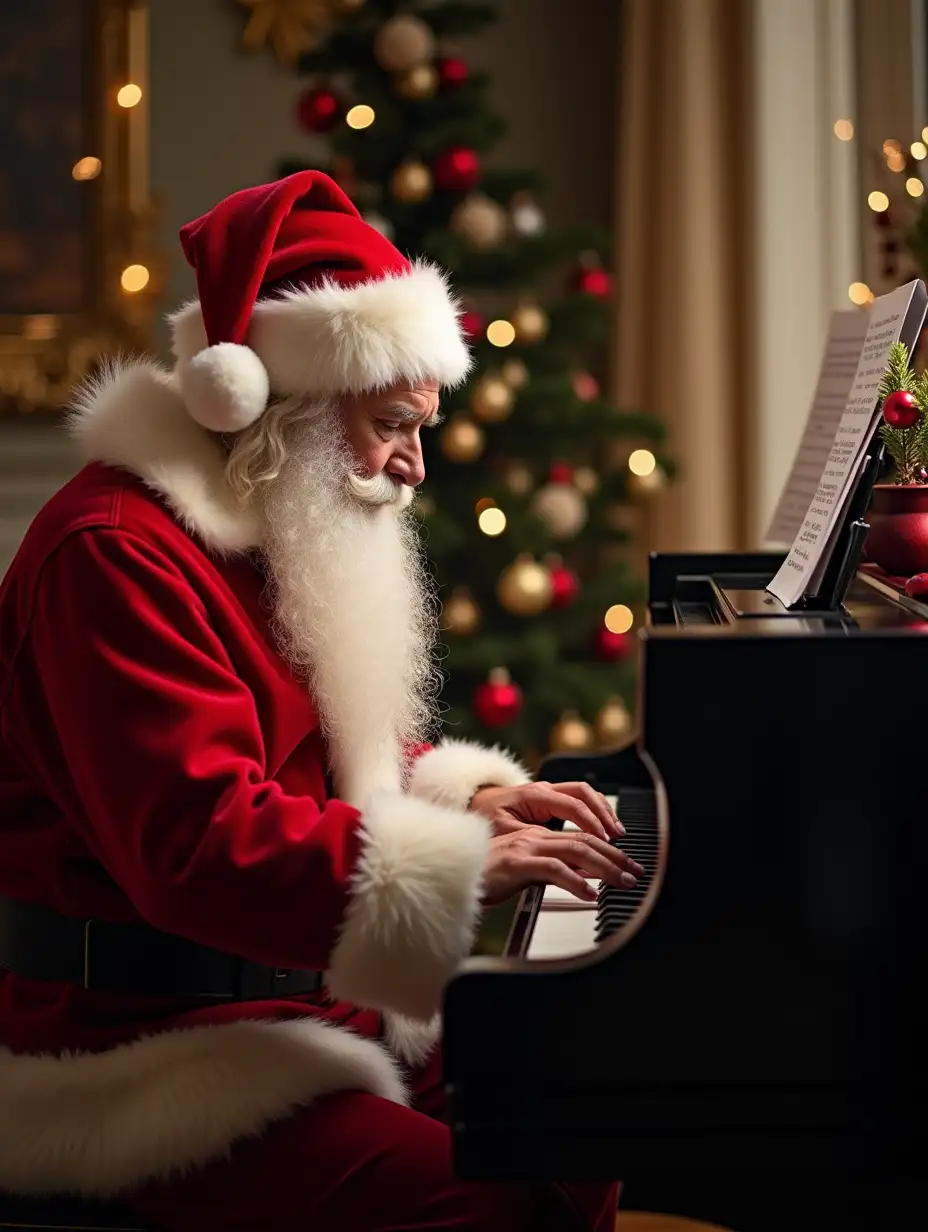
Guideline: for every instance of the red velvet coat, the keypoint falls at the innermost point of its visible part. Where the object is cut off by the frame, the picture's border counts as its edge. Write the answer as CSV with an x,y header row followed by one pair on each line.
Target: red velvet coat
x,y
159,761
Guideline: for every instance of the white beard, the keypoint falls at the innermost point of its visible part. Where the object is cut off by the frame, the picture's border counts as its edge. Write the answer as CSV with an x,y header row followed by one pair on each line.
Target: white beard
x,y
354,606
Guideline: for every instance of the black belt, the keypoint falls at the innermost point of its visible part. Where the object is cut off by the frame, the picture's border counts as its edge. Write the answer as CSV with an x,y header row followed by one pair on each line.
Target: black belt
x,y
40,944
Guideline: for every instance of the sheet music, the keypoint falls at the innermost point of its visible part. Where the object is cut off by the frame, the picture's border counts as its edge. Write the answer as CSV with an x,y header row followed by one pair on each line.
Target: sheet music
x,y
892,317
846,332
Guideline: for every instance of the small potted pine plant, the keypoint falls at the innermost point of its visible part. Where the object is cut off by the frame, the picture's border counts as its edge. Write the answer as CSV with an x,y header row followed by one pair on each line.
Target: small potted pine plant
x,y
898,538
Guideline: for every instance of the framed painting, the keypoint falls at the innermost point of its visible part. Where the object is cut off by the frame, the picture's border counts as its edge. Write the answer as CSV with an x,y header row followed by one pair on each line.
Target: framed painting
x,y
78,275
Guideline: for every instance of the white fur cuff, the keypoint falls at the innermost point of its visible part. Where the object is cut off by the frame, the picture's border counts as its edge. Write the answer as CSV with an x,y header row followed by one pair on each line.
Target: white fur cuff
x,y
450,773
414,905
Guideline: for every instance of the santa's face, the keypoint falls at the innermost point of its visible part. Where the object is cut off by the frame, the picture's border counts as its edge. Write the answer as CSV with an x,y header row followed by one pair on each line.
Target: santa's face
x,y
382,429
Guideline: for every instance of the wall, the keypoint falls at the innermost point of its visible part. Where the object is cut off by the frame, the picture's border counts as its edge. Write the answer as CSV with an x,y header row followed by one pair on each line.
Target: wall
x,y
221,118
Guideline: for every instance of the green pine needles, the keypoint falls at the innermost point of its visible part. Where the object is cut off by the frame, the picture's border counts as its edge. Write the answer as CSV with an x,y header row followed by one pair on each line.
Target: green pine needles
x,y
908,447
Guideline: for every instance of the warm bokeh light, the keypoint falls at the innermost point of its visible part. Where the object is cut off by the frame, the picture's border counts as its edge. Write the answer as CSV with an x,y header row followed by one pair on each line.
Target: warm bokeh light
x,y
619,618
642,462
859,293
492,521
86,168
40,328
129,95
895,161
892,146
844,130
914,187
360,116
878,201
919,150
485,502
501,333
134,278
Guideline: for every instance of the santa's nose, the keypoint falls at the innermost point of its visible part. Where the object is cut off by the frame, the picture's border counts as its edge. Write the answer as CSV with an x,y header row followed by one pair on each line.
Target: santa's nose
x,y
408,467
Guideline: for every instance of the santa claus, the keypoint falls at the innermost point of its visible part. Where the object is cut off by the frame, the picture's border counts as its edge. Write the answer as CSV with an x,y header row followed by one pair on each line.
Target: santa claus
x,y
217,688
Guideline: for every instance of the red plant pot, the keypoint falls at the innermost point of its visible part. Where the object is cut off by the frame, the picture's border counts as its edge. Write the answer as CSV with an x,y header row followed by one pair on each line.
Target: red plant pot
x,y
898,538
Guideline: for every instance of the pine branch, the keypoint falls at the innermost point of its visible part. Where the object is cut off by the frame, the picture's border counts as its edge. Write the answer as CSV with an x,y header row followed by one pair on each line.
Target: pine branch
x,y
897,375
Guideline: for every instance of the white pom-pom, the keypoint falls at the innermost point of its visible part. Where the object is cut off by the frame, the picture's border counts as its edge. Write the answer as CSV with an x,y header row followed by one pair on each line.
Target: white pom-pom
x,y
225,387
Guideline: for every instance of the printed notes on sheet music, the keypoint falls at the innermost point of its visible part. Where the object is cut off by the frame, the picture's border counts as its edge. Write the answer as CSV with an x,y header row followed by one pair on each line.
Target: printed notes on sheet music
x,y
898,315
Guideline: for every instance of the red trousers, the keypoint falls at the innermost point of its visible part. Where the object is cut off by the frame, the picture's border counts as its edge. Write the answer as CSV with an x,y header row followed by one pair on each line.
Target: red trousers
x,y
354,1163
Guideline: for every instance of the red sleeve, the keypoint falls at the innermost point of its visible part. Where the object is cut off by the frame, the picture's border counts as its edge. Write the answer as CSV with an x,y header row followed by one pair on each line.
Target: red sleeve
x,y
150,742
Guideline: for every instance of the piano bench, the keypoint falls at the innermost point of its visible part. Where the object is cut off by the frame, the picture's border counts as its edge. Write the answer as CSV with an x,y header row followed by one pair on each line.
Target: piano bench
x,y
647,1221
64,1214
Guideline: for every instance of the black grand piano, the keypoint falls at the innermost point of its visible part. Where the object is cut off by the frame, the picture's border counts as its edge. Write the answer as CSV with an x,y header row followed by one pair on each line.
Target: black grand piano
x,y
744,1039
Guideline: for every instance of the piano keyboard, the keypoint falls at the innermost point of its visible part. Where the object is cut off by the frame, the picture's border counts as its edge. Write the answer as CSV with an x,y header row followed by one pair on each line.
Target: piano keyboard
x,y
566,926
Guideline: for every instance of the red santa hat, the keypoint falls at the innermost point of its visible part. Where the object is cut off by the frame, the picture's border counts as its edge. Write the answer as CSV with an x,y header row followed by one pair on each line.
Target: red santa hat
x,y
297,294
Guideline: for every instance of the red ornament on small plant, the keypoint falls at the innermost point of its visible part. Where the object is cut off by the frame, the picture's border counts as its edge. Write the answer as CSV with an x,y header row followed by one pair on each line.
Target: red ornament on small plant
x,y
457,169
560,472
900,410
497,702
472,324
609,646
318,110
452,72
596,282
565,585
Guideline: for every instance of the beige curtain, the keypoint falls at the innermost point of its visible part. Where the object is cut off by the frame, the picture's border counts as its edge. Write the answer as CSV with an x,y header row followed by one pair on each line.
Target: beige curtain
x,y
682,274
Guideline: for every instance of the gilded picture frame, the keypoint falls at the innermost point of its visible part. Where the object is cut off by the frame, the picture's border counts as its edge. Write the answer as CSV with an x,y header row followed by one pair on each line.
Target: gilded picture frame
x,y
79,278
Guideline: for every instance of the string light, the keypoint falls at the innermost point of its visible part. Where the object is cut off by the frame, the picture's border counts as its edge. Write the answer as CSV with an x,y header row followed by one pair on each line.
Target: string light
x,y
86,168
619,618
485,502
895,161
642,462
878,201
859,293
501,333
891,146
925,133
360,116
134,278
914,187
844,130
919,150
130,95
492,521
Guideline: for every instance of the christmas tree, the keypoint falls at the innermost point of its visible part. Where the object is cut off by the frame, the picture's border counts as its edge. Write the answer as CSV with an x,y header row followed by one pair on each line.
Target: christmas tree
x,y
523,511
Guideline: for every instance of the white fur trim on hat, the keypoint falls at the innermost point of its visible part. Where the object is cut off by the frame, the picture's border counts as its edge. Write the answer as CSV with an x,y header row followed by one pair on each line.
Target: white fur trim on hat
x,y
333,339
225,387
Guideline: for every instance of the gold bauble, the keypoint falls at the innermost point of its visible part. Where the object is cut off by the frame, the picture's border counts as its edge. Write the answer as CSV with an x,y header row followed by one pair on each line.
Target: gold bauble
x,y
530,323
524,587
586,480
644,486
570,734
492,399
562,509
403,42
411,183
514,373
480,220
417,83
613,724
462,440
460,615
519,479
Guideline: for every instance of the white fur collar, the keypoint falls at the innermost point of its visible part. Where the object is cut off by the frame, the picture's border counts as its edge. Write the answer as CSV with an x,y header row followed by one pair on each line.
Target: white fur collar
x,y
133,416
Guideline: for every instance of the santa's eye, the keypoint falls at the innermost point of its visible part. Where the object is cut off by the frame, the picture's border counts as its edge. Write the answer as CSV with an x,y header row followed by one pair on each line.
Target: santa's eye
x,y
387,429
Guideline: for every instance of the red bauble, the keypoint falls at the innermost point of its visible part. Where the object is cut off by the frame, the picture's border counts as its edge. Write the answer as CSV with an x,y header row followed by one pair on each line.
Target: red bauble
x,y
318,110
900,410
457,169
610,646
452,72
595,282
472,324
565,586
497,701
560,472
917,587
586,387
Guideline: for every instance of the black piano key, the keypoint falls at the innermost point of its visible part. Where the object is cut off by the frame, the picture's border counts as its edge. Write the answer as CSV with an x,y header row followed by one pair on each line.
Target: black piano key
x,y
615,906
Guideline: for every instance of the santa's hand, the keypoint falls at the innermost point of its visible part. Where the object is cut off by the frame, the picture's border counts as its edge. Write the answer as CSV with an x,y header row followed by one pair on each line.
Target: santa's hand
x,y
511,808
532,855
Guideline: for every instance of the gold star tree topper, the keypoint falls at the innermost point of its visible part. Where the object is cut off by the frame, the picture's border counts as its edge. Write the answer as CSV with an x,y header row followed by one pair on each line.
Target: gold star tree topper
x,y
290,26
